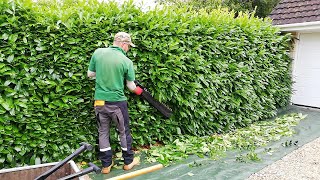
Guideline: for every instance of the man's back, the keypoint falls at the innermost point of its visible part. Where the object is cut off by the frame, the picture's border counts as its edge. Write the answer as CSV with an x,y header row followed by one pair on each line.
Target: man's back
x,y
112,68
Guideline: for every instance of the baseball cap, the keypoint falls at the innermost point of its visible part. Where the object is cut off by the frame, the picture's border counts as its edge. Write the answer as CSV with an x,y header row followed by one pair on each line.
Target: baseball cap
x,y
124,37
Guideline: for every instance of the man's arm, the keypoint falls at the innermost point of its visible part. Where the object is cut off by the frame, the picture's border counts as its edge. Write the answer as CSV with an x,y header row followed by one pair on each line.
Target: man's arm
x,y
133,88
92,74
92,67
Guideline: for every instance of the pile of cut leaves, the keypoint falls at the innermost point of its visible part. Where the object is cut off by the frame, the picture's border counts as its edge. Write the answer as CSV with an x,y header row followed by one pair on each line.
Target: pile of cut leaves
x,y
215,146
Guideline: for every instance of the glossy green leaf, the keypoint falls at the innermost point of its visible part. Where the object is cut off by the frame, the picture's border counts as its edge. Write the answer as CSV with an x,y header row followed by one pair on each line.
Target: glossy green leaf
x,y
2,160
9,158
10,58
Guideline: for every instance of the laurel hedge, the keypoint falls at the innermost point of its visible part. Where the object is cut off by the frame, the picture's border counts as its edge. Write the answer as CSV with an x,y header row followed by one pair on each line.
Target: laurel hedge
x,y
216,72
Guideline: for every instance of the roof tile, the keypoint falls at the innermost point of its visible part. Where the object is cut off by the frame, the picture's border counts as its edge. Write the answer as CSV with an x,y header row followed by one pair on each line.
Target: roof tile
x,y
296,11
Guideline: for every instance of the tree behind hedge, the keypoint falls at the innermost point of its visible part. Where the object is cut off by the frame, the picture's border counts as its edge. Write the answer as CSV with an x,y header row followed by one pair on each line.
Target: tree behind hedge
x,y
262,8
215,72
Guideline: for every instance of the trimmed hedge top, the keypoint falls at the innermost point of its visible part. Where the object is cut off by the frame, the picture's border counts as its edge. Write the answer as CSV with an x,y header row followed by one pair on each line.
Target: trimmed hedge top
x,y
215,71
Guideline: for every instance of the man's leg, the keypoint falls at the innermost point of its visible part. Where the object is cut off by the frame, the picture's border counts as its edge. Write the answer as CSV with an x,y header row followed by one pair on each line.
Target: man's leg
x,y
103,121
127,155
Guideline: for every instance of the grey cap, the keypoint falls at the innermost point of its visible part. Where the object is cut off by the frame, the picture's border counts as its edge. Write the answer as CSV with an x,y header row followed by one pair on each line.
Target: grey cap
x,y
124,37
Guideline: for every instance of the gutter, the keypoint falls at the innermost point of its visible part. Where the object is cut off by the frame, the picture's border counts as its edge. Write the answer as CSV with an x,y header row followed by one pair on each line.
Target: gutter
x,y
301,27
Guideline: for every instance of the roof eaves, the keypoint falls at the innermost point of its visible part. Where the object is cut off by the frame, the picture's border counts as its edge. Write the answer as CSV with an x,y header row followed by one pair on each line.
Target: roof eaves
x,y
301,27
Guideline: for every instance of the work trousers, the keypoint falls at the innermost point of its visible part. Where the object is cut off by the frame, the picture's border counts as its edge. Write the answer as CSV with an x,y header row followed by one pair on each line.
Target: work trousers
x,y
118,113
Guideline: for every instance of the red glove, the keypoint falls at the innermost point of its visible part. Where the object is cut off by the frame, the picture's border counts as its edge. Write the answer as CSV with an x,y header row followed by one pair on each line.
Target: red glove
x,y
138,90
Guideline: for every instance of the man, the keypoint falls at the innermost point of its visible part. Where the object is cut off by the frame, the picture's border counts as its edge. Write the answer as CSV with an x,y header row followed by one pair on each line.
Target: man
x,y
112,68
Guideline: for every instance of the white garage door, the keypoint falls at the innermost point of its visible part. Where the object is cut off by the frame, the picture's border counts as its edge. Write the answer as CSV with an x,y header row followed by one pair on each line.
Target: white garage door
x,y
306,71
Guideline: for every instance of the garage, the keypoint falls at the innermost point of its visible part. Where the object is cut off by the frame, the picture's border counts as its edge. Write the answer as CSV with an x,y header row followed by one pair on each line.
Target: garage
x,y
306,71
302,20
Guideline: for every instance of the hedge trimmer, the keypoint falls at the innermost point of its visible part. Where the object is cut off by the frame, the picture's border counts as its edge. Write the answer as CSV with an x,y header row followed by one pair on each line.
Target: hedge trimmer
x,y
165,111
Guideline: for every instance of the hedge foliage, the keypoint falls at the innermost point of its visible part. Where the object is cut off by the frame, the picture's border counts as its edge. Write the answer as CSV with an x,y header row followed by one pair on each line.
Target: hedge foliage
x,y
215,71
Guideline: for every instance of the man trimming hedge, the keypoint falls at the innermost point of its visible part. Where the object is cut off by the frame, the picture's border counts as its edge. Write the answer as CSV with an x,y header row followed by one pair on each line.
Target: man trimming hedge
x,y
112,68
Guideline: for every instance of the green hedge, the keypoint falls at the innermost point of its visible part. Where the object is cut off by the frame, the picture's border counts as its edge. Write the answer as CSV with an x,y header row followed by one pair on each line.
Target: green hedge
x,y
215,71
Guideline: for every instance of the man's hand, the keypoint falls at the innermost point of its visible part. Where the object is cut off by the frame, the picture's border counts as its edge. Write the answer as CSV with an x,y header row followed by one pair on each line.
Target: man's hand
x,y
133,88
91,74
138,90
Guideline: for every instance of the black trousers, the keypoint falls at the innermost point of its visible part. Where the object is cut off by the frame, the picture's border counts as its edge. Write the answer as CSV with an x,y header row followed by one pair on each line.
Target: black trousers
x,y
116,112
